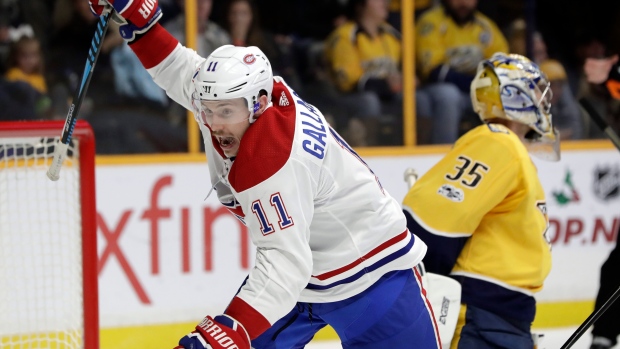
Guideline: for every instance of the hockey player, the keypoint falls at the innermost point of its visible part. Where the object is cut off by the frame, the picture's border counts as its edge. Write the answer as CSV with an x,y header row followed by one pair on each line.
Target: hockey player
x,y
481,209
332,245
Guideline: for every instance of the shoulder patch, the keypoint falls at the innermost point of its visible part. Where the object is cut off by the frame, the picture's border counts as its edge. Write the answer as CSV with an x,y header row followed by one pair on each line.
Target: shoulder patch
x,y
498,128
451,192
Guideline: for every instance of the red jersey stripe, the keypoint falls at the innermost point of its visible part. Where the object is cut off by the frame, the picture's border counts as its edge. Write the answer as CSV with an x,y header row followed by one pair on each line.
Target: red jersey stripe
x,y
375,251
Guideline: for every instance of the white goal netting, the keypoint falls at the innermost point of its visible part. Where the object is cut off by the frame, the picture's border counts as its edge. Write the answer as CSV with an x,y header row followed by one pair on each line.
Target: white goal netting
x,y
41,300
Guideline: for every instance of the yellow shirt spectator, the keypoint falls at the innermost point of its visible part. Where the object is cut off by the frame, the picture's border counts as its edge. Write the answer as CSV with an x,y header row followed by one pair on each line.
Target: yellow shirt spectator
x,y
354,56
35,80
442,44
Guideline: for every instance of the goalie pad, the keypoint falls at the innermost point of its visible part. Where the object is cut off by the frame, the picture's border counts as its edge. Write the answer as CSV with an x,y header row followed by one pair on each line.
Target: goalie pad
x,y
444,294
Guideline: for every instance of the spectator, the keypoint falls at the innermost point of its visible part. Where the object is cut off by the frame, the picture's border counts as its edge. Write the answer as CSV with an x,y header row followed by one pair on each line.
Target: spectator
x,y
209,36
450,41
364,57
11,29
133,82
73,32
128,115
517,41
37,14
599,71
25,64
564,107
17,100
241,20
590,54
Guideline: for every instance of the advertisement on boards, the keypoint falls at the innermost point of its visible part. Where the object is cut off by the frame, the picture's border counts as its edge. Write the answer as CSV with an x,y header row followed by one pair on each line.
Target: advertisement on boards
x,y
169,252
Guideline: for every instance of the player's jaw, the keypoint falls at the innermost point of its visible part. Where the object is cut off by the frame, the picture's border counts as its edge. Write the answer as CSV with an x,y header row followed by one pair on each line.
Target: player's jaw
x,y
229,136
229,145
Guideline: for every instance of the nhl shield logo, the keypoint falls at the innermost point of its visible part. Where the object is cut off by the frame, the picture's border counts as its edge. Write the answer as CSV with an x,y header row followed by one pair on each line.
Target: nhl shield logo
x,y
606,184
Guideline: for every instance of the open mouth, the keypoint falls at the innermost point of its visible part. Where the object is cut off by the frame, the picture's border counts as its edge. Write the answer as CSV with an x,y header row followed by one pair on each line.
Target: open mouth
x,y
227,142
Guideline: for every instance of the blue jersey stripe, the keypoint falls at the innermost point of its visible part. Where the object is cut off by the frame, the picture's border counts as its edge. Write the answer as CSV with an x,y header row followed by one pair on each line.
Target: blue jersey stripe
x,y
385,260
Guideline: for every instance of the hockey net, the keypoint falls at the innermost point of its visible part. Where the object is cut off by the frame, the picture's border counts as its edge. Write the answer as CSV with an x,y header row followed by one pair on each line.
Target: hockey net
x,y
48,256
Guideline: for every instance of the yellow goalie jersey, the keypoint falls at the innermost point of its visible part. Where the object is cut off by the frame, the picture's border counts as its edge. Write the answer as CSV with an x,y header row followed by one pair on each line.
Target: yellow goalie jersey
x,y
481,210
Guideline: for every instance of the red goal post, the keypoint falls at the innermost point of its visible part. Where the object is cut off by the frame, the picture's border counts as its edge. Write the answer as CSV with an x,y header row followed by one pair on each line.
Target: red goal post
x,y
48,241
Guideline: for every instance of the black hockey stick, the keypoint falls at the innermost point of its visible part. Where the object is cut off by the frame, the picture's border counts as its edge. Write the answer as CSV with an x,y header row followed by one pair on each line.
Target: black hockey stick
x,y
60,149
586,324
600,122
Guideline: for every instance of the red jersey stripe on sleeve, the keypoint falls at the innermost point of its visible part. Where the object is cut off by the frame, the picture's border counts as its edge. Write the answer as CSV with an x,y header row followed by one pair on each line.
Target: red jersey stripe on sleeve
x,y
155,45
253,321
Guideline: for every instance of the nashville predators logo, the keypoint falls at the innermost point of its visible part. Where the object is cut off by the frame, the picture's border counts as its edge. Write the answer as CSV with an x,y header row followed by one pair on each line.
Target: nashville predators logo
x,y
542,207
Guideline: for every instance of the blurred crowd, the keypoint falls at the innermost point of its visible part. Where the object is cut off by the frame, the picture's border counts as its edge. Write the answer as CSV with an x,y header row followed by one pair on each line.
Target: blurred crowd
x,y
344,56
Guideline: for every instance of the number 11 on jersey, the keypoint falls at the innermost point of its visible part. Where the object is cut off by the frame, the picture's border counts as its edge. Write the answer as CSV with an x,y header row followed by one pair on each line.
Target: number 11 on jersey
x,y
284,219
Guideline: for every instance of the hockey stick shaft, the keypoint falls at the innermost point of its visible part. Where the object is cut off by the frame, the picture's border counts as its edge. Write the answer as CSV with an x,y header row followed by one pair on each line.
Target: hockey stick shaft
x,y
600,122
590,320
60,149
411,176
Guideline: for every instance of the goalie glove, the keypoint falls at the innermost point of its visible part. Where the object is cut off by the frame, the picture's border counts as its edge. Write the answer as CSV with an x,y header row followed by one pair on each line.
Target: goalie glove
x,y
221,332
135,17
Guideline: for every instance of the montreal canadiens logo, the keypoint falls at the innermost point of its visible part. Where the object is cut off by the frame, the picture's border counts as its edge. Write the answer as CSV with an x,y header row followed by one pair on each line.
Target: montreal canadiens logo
x,y
249,58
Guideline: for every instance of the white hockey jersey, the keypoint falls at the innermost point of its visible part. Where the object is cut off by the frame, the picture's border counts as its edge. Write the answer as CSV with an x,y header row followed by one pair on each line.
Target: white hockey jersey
x,y
324,227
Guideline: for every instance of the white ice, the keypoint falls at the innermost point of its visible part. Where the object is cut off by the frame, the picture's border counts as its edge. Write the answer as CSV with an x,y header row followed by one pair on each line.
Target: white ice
x,y
554,339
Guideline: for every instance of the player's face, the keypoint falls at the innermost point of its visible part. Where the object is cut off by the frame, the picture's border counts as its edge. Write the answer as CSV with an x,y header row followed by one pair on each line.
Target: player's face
x,y
228,120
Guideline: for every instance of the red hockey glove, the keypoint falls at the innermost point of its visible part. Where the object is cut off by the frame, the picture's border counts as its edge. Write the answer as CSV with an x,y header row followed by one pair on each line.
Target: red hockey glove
x,y
139,15
223,332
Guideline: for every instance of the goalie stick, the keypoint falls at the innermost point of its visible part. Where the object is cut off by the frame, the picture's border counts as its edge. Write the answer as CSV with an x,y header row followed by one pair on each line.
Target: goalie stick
x,y
60,149
613,136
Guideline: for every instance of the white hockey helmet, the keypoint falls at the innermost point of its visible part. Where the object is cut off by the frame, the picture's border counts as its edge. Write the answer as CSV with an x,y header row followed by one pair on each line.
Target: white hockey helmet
x,y
511,87
232,72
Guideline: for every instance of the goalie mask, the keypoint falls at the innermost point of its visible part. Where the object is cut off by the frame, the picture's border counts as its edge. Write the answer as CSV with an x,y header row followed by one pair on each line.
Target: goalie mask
x,y
514,88
231,72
